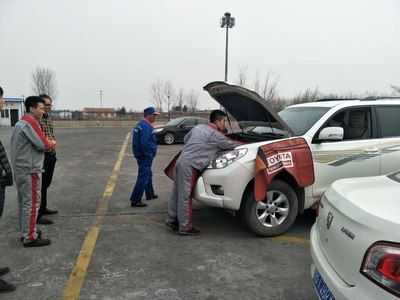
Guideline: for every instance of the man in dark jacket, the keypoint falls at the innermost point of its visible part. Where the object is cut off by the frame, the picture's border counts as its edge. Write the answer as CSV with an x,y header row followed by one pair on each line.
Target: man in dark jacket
x,y
49,163
144,148
6,179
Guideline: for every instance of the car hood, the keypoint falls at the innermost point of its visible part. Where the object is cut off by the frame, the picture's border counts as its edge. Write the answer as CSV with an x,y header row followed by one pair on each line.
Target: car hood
x,y
245,105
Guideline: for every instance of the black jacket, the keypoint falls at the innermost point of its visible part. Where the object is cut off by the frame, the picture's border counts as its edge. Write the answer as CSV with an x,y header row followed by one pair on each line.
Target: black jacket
x,y
6,178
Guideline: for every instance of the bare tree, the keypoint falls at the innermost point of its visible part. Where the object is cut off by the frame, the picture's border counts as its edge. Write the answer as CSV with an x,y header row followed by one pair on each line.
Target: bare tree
x,y
308,95
168,97
157,94
269,89
180,99
44,82
396,89
192,101
257,83
242,76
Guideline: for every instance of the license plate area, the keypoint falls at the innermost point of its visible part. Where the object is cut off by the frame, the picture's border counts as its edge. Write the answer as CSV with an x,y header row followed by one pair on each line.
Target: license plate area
x,y
321,288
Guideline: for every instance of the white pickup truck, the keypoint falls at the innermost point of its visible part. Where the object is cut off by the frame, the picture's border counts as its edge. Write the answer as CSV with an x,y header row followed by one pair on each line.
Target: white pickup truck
x,y
347,137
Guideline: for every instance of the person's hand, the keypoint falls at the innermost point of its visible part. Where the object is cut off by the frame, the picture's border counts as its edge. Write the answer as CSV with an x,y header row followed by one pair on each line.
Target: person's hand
x,y
52,144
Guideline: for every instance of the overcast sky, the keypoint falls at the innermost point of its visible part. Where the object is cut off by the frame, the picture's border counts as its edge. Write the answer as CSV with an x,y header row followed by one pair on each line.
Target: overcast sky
x,y
123,46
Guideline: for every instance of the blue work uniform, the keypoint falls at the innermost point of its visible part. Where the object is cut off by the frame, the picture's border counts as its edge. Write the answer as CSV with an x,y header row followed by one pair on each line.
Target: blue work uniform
x,y
144,148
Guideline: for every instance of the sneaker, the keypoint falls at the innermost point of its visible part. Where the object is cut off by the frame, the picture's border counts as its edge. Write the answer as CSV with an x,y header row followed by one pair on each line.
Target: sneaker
x,y
4,271
50,212
138,204
38,233
44,221
192,231
6,287
37,243
172,225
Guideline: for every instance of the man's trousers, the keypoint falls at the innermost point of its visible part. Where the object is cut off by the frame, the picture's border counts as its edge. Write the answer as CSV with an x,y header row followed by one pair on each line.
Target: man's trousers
x,y
28,190
180,202
49,164
144,181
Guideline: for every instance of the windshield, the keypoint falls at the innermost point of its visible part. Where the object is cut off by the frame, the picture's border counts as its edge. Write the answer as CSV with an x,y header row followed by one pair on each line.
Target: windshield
x,y
301,119
174,122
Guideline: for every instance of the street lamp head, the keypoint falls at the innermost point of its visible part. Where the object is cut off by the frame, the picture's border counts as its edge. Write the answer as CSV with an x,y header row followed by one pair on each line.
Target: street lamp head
x,y
223,22
231,22
227,21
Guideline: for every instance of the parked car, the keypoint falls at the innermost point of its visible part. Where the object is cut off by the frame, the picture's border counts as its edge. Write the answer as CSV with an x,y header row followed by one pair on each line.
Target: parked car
x,y
175,130
348,138
355,241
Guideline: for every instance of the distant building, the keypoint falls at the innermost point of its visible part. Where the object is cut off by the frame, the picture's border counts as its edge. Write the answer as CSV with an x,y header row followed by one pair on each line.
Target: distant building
x,y
12,111
99,113
61,114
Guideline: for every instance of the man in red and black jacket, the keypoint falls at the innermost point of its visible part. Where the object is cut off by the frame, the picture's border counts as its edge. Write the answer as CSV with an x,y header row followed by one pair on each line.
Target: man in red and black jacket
x,y
28,144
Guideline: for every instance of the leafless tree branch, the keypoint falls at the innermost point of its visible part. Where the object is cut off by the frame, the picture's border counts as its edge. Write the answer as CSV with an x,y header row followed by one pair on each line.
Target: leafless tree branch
x,y
44,82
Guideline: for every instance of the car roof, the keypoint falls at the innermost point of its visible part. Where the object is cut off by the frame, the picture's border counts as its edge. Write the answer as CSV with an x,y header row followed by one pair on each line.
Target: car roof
x,y
349,103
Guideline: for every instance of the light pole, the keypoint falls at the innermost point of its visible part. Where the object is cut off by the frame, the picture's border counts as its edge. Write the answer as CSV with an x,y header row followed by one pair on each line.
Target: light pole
x,y
227,22
101,98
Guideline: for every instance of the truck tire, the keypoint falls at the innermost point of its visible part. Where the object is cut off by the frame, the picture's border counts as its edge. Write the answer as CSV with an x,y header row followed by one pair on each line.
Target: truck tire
x,y
275,214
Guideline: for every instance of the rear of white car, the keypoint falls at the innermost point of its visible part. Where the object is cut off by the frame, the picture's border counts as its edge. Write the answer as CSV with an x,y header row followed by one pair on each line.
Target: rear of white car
x,y
354,240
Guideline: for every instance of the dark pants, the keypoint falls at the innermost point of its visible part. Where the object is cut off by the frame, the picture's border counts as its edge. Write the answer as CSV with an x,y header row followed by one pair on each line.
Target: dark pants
x,y
144,181
49,164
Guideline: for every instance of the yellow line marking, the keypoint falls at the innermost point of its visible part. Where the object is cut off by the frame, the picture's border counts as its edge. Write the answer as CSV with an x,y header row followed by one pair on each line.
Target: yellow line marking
x,y
77,277
292,239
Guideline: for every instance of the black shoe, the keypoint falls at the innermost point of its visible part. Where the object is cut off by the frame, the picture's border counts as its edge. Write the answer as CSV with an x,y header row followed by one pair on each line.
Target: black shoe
x,y
138,204
37,243
4,271
44,221
50,212
152,197
6,287
192,231
38,233
173,225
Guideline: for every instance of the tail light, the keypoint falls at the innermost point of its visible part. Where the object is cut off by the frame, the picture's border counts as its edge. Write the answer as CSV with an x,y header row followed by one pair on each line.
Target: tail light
x,y
382,265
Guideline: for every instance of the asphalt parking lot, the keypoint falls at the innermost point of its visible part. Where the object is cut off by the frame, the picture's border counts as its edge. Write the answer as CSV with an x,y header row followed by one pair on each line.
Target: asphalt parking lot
x,y
104,249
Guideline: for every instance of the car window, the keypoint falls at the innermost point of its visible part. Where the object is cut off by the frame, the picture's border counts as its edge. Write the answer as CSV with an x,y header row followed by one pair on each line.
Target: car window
x,y
389,120
202,121
189,122
301,119
174,122
356,123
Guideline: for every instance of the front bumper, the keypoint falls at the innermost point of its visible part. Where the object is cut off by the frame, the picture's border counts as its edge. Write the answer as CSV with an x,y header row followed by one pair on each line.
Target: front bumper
x,y
364,289
233,180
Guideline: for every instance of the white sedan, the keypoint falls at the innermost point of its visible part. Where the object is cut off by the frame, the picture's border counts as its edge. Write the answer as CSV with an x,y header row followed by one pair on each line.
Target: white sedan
x,y
355,242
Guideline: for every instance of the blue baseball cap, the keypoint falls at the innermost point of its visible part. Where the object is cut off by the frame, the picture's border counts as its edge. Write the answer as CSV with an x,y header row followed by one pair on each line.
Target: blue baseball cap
x,y
150,111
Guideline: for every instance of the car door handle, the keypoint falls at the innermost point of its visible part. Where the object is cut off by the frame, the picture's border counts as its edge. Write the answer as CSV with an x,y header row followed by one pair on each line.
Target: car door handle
x,y
372,150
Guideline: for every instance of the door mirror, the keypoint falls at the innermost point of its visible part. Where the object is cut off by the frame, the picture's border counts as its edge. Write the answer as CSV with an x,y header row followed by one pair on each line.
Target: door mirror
x,y
331,134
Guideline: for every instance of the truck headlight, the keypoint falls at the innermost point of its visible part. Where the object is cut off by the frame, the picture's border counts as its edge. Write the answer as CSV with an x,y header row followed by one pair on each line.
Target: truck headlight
x,y
224,159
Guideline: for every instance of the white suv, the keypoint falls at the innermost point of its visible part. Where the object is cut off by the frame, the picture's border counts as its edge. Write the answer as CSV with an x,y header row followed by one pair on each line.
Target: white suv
x,y
348,138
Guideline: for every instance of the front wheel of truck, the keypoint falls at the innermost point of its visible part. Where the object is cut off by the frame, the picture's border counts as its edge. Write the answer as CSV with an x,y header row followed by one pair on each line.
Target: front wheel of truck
x,y
275,214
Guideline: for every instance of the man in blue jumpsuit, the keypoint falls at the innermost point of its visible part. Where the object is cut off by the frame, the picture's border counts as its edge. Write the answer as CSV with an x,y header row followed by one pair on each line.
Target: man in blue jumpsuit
x,y
144,148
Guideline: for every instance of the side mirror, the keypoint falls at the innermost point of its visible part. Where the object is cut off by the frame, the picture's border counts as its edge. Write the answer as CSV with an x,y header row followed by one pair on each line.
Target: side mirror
x,y
331,134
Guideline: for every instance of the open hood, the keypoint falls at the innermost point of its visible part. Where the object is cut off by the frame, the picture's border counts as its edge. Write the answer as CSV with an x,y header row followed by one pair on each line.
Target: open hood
x,y
245,105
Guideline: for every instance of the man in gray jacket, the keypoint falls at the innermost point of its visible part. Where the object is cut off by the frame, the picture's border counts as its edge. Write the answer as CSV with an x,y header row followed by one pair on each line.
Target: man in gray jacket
x,y
28,144
201,146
